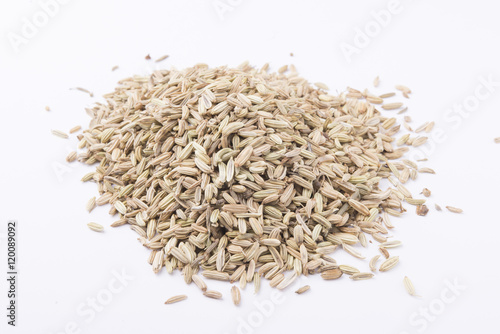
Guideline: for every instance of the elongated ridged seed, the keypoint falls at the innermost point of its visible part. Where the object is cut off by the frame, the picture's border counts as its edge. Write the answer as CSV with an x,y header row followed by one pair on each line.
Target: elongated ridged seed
x,y
241,175
235,295
176,299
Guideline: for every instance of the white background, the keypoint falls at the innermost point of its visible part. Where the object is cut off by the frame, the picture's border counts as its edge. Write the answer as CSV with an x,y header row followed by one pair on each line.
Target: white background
x,y
441,49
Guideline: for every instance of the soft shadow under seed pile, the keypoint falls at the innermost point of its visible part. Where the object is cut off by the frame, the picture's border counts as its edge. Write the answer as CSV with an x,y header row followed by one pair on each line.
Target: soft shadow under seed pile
x,y
248,174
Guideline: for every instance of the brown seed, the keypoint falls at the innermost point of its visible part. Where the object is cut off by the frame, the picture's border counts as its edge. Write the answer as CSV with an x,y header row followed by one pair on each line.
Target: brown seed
x,y
331,274
426,192
303,289
384,252
422,210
